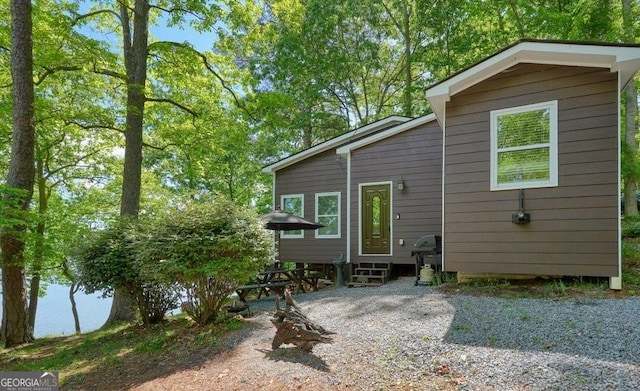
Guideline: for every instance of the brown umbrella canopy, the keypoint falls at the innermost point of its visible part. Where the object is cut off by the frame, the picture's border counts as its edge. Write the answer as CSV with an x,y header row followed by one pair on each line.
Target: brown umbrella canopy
x,y
279,220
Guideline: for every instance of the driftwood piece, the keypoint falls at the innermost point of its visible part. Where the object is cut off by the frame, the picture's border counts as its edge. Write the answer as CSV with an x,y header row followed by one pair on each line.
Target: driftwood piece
x,y
293,327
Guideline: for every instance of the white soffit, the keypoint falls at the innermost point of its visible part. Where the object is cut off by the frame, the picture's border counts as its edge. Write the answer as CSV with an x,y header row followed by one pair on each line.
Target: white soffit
x,y
624,59
335,142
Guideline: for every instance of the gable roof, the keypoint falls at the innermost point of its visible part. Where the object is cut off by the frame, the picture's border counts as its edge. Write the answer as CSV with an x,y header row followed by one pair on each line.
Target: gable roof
x,y
621,58
385,134
335,142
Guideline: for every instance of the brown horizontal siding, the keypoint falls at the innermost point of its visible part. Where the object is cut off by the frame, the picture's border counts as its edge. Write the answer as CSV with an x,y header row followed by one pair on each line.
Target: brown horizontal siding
x,y
565,266
574,226
539,237
317,174
416,155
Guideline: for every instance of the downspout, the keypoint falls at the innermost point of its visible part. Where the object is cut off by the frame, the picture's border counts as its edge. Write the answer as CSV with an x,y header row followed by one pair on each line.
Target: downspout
x,y
348,259
443,240
273,207
616,282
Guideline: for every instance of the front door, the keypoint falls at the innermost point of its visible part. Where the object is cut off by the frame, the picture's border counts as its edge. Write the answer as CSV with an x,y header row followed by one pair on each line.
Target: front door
x,y
376,219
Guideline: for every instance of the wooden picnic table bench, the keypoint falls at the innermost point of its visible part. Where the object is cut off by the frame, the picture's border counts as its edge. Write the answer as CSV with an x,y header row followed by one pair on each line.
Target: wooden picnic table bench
x,y
263,287
299,277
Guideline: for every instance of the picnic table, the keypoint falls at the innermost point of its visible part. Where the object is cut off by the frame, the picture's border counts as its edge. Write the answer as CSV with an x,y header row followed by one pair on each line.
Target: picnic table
x,y
276,279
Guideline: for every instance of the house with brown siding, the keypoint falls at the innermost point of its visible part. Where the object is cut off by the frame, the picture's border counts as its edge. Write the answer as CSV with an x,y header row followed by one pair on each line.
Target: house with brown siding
x,y
517,169
531,160
313,184
352,186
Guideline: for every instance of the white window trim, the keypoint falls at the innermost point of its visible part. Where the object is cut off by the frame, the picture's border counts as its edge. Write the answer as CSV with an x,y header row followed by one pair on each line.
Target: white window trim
x,y
331,236
286,234
553,146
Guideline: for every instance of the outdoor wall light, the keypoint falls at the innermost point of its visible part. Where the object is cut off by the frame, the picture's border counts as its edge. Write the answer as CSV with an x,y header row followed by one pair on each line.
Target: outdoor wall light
x,y
400,184
521,217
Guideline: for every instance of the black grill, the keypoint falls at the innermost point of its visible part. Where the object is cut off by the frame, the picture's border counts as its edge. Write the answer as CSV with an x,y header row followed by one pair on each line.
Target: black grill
x,y
428,250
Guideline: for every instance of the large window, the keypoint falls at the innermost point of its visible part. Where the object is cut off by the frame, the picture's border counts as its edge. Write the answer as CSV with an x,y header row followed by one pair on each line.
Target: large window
x,y
294,204
328,214
524,145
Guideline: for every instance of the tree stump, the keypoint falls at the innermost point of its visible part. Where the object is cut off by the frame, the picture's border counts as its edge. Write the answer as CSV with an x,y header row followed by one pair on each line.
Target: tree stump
x,y
293,327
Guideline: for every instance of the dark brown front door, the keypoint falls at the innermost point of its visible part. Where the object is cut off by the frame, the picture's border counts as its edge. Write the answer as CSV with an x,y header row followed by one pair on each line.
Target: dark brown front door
x,y
376,221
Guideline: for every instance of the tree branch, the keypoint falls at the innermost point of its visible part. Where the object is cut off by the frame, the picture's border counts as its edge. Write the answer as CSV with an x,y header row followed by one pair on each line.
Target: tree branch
x,y
207,65
48,71
109,127
172,10
178,105
77,18
94,126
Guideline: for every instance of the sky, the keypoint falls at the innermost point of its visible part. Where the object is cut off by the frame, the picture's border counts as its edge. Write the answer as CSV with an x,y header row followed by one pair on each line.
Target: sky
x,y
201,41
160,31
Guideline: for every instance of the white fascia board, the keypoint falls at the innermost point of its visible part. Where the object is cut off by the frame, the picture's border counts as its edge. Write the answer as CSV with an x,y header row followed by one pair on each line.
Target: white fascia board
x,y
334,142
346,149
623,59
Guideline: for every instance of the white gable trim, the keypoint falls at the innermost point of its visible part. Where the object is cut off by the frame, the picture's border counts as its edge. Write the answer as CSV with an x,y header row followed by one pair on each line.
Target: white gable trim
x,y
346,149
622,59
334,142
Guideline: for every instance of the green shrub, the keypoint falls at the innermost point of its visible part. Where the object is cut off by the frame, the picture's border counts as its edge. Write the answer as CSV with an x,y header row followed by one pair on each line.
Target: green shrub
x,y
108,261
200,252
209,249
631,227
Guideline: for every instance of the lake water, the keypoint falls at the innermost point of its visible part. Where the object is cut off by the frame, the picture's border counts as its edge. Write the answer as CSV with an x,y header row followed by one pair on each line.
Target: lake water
x,y
54,315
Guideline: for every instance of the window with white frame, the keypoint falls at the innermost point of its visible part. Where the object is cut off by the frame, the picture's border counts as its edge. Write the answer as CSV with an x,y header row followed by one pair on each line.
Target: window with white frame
x,y
294,204
328,214
524,146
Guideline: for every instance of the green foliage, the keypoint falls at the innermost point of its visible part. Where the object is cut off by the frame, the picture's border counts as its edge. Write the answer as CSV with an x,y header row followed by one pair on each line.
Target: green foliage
x,y
108,261
14,217
630,227
209,249
203,250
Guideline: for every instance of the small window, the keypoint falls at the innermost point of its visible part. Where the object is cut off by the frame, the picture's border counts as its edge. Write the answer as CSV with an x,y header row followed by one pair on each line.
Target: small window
x,y
294,204
328,214
524,145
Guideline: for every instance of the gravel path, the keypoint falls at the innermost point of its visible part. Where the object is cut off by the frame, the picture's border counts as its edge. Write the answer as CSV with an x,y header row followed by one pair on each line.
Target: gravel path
x,y
402,337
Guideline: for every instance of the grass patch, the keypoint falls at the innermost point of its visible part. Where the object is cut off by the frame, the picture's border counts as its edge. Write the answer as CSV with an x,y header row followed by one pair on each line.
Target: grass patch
x,y
119,347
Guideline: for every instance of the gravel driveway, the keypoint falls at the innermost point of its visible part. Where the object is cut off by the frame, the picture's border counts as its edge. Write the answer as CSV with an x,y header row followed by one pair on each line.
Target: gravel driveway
x,y
402,337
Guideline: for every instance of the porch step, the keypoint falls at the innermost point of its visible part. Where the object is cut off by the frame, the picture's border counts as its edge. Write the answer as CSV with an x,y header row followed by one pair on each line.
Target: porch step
x,y
370,274
355,284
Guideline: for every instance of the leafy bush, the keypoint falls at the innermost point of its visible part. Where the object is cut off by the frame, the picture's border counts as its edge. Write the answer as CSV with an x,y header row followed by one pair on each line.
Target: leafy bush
x,y
209,249
199,253
107,261
631,226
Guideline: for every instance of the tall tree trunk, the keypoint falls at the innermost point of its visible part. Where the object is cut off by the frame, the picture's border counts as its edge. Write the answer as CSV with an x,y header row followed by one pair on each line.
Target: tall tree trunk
x,y
72,291
406,34
135,59
38,254
15,325
74,308
631,112
631,182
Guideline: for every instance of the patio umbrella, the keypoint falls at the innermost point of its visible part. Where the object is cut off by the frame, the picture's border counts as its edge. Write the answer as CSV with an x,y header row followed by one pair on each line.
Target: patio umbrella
x,y
279,220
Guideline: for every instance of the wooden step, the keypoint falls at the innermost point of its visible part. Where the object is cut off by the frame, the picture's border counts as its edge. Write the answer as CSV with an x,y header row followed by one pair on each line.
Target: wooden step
x,y
370,272
355,284
375,265
376,276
